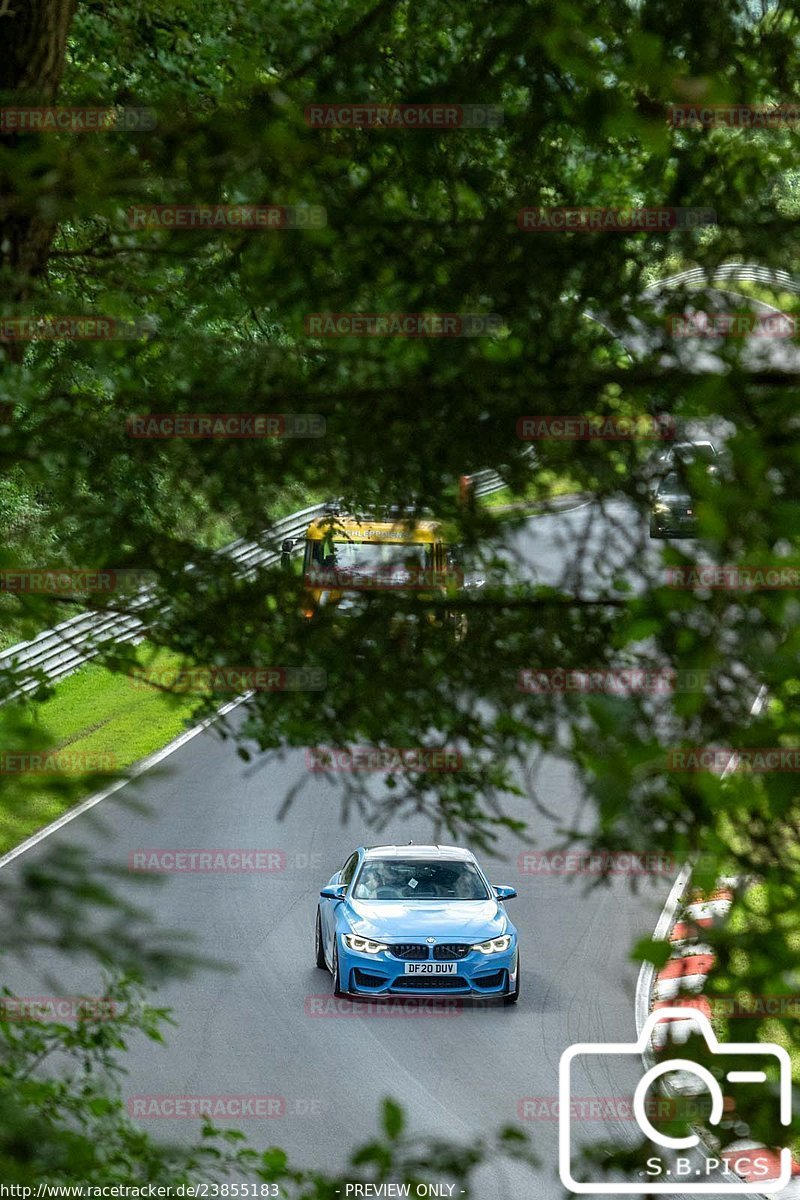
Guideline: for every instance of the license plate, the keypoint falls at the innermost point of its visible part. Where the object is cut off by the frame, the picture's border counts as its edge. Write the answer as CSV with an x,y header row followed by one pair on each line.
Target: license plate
x,y
430,968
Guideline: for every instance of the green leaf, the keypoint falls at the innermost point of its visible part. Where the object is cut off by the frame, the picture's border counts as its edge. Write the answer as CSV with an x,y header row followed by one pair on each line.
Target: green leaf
x,y
392,1118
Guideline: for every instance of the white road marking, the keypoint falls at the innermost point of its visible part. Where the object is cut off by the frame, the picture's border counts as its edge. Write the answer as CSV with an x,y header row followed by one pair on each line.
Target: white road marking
x,y
138,769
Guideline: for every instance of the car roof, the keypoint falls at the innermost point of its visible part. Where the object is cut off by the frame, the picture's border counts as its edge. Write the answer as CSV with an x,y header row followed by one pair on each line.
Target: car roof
x,y
374,529
440,852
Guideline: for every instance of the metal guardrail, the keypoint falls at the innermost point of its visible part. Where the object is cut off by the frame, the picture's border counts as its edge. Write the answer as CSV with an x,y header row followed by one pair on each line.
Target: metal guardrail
x,y
486,482
741,272
58,652
635,339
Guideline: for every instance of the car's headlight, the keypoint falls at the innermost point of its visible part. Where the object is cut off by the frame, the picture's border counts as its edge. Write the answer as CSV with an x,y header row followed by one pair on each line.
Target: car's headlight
x,y
365,945
494,945
661,507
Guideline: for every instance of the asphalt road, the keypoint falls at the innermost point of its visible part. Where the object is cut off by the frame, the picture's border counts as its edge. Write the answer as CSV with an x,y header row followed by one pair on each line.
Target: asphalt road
x,y
256,1030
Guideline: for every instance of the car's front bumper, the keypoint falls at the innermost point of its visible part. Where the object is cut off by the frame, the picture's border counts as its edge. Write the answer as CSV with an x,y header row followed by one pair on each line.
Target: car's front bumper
x,y
384,975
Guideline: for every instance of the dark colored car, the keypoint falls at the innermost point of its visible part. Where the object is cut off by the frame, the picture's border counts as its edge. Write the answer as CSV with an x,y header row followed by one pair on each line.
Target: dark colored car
x,y
673,513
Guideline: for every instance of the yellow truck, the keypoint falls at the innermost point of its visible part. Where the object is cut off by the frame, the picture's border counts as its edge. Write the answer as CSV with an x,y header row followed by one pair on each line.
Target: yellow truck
x,y
345,555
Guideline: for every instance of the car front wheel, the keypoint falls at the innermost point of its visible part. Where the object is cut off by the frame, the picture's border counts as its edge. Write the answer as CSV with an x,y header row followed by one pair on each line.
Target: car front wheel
x,y
318,947
337,984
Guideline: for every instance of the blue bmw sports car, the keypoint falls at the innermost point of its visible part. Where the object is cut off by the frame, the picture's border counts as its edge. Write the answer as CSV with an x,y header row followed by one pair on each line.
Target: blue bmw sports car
x,y
416,920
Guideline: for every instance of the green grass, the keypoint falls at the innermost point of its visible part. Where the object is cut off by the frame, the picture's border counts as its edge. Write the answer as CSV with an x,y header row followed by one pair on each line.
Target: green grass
x,y
787,302
94,711
545,486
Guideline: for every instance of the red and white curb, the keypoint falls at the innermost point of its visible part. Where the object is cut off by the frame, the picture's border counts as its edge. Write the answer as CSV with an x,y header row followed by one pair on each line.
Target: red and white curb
x,y
681,980
679,984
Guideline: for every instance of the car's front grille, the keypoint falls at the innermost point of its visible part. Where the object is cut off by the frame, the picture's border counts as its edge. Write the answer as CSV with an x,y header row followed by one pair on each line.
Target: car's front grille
x,y
447,951
439,983
418,951
411,951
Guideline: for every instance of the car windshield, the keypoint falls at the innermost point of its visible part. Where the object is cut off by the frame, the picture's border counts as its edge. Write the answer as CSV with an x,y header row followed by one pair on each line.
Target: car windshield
x,y
689,452
672,485
415,879
370,558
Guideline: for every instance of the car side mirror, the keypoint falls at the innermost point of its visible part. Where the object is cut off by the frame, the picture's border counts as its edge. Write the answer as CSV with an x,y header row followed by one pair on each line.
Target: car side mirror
x,y
287,545
337,892
502,892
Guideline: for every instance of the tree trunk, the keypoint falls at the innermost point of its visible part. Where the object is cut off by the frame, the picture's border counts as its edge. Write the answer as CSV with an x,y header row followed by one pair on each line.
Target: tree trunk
x,y
33,36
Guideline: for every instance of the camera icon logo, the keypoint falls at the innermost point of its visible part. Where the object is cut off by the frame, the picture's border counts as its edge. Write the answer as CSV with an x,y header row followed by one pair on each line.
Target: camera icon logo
x,y
671,1173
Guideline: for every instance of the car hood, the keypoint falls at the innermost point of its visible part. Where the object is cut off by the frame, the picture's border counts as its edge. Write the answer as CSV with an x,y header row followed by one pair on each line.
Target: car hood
x,y
406,920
